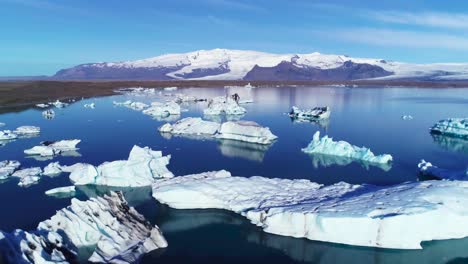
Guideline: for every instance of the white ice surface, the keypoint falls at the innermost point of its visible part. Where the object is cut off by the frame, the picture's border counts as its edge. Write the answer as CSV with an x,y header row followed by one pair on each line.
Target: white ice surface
x,y
222,105
53,148
163,109
7,167
191,126
7,135
452,126
28,177
247,131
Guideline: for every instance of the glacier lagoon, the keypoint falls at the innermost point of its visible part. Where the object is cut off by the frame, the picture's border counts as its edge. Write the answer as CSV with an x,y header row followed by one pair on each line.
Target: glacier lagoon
x,y
370,117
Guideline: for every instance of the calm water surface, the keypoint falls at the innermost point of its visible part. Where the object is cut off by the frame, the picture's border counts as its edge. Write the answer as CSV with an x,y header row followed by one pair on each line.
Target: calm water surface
x,y
368,117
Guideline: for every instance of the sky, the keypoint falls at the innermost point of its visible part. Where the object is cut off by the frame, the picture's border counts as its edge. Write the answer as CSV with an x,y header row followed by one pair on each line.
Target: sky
x,y
39,37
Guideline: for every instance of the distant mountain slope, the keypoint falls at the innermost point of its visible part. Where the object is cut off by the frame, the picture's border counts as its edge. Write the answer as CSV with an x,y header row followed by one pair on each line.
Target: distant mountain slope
x,y
224,64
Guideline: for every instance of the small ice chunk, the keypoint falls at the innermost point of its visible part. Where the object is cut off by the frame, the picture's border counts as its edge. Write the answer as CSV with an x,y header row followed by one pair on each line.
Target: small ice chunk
x,y
457,127
7,167
61,191
427,169
173,88
2,124
48,114
27,130
163,109
42,105
310,114
138,106
327,146
91,105
53,169
247,131
28,177
58,104
7,135
407,117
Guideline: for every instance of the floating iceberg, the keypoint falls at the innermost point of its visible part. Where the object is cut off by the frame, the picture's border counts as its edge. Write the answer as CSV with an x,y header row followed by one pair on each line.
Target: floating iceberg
x,y
183,98
170,88
42,105
407,117
112,232
327,146
91,105
67,191
48,114
310,114
138,106
7,167
27,130
400,216
427,169
142,167
28,177
222,105
58,104
52,148
7,135
457,127
163,109
191,126
247,131
53,169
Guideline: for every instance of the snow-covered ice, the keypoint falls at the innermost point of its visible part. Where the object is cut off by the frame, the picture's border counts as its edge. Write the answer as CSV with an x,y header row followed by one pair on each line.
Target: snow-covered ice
x,y
138,106
427,169
223,105
58,104
173,88
7,135
457,127
247,131
191,126
140,169
112,232
42,105
7,167
310,114
399,216
327,146
53,169
28,177
52,148
61,191
27,130
162,109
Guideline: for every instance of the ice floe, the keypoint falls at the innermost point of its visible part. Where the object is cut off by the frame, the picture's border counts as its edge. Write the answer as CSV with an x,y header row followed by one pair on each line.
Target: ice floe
x,y
427,169
28,177
7,135
191,126
91,105
457,127
140,169
327,146
110,230
27,130
407,117
67,191
310,114
399,216
2,124
138,106
42,105
162,109
184,98
224,105
7,167
53,169
173,88
48,114
52,148
58,104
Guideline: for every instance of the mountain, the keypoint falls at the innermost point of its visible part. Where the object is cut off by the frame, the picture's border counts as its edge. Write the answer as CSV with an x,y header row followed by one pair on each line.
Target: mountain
x,y
225,64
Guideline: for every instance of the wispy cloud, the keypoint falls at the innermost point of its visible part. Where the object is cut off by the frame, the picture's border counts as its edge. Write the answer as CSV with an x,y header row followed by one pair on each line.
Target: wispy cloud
x,y
428,19
47,5
397,38
236,4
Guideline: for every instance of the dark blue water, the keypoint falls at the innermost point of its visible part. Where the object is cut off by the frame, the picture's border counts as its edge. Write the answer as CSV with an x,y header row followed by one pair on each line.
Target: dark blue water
x,y
368,117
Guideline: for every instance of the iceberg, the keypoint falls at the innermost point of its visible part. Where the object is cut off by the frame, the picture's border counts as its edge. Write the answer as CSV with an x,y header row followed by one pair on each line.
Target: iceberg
x,y
310,114
327,146
27,130
52,148
91,105
7,167
222,105
58,104
457,127
42,105
28,177
138,106
407,117
2,124
163,109
7,135
427,169
53,169
247,131
67,191
112,232
191,126
141,168
184,98
48,114
398,217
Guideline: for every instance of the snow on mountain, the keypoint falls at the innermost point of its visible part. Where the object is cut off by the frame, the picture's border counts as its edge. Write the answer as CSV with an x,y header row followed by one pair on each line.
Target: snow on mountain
x,y
225,64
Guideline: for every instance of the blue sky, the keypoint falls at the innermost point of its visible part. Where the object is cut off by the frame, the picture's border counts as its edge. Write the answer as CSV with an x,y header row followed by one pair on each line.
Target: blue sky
x,y
41,36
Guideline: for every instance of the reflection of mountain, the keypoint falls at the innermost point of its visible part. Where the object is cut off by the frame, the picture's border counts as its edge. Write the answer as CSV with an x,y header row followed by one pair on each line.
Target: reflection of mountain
x,y
240,149
451,143
321,160
134,196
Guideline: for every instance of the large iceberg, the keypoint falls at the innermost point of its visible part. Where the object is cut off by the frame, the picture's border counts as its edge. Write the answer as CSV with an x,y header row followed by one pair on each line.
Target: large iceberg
x,y
163,109
327,146
138,106
110,230
457,127
7,167
51,148
222,105
28,177
400,216
427,169
141,168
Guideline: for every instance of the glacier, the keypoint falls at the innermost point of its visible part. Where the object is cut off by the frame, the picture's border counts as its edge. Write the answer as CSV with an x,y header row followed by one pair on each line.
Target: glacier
x,y
28,177
457,127
52,148
327,146
398,217
140,169
223,105
111,231
427,169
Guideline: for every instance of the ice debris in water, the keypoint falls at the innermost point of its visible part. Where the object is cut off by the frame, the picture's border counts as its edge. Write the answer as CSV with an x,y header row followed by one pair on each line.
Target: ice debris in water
x,y
7,167
27,130
61,191
427,169
43,105
138,106
407,117
48,114
53,169
327,146
310,114
28,177
7,135
111,230
52,148
246,131
173,88
457,127
399,216
163,109
58,104
140,169
224,105
91,105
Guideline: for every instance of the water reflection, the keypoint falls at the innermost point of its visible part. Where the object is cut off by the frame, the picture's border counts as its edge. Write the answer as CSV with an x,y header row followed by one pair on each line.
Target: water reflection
x,y
134,196
451,143
322,123
322,160
245,150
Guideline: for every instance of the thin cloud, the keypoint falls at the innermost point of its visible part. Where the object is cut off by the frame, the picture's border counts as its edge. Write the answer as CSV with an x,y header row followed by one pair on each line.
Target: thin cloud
x,y
398,38
234,4
428,19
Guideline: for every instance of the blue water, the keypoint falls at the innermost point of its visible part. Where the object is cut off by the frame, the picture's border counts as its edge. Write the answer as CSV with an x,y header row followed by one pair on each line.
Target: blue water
x,y
368,117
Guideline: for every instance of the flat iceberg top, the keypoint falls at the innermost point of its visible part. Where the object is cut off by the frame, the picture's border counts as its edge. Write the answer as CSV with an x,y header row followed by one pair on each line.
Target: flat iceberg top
x,y
142,167
452,126
116,232
163,109
222,105
28,177
310,114
52,148
427,169
400,216
326,145
191,126
25,130
248,131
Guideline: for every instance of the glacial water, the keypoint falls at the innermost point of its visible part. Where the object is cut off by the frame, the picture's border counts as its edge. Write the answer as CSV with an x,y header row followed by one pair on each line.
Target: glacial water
x,y
370,117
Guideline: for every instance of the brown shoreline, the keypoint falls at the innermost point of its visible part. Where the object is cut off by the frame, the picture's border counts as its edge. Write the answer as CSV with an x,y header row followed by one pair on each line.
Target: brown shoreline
x,y
20,95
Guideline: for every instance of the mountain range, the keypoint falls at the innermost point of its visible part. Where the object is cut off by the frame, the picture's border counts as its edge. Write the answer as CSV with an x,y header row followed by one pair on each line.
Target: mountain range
x,y
225,64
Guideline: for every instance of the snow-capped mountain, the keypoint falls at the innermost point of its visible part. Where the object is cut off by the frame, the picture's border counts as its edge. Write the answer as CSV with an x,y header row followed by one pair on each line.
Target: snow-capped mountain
x,y
224,64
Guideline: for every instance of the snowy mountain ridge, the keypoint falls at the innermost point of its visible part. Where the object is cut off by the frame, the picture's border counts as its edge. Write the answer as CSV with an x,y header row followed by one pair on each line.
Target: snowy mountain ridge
x,y
226,64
